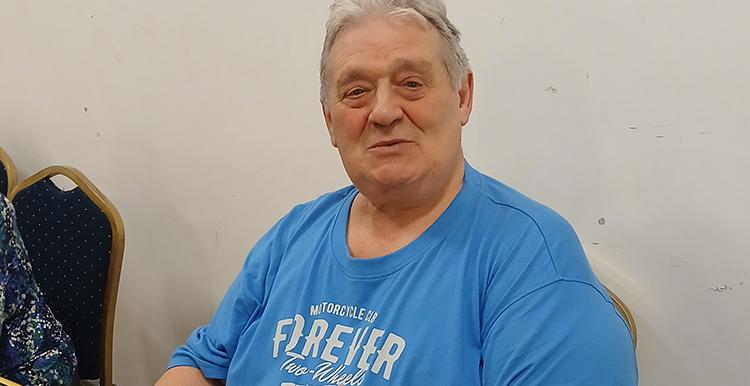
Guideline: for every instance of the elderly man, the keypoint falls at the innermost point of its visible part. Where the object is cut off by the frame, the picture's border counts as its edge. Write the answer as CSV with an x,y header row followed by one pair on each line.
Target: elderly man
x,y
425,271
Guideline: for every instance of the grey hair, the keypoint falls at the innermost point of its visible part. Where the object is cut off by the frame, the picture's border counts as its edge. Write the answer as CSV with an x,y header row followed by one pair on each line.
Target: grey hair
x,y
345,13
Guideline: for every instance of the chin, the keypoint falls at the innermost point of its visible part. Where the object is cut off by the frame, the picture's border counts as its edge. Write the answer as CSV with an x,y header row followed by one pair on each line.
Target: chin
x,y
394,176
386,175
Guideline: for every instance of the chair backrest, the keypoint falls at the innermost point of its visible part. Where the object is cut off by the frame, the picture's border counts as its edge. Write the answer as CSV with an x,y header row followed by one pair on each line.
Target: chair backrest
x,y
625,313
75,240
7,173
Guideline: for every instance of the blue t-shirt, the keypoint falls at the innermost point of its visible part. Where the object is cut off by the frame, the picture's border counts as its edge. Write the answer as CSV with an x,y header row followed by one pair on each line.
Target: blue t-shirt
x,y
497,291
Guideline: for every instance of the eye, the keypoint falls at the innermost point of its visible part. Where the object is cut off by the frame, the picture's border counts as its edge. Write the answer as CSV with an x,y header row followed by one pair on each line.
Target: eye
x,y
412,84
355,92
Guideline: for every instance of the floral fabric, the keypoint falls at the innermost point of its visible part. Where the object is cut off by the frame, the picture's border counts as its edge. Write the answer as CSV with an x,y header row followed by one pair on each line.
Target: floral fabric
x,y
34,349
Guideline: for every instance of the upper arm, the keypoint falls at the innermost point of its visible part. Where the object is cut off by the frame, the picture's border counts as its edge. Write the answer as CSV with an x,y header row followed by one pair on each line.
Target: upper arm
x,y
565,333
212,347
185,376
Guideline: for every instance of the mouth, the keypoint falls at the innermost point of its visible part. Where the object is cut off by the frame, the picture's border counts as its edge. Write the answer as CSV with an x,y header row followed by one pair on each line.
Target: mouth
x,y
392,142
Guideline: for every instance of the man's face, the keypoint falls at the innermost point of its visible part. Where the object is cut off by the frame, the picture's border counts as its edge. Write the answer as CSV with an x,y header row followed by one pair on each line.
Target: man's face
x,y
392,110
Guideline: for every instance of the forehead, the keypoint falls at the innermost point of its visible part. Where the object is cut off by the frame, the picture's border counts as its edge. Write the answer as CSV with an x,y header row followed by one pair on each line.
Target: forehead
x,y
383,43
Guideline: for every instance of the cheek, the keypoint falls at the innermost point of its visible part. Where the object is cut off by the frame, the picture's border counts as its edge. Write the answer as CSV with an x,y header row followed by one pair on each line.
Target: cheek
x,y
440,124
440,109
348,126
432,119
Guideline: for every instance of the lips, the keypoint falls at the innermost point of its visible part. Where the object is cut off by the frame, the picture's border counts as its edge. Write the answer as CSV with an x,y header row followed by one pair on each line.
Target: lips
x,y
387,143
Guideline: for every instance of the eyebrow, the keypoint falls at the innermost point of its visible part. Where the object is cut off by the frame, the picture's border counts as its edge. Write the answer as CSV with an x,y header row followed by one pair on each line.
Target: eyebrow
x,y
421,66
349,77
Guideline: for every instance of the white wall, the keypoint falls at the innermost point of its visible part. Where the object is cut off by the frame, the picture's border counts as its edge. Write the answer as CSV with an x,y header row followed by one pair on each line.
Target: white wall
x,y
199,120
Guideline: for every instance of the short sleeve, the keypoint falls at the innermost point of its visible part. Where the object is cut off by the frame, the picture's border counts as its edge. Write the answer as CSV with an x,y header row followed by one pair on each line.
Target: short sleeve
x,y
565,334
211,348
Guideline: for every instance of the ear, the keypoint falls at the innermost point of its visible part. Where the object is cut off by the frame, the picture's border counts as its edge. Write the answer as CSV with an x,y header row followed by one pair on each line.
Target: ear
x,y
466,98
329,123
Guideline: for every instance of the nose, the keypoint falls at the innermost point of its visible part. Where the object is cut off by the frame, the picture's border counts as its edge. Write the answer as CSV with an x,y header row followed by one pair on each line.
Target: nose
x,y
386,109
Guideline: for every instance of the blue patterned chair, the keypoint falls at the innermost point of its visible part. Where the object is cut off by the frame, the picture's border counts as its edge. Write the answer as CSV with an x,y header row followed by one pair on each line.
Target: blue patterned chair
x,y
75,241
7,173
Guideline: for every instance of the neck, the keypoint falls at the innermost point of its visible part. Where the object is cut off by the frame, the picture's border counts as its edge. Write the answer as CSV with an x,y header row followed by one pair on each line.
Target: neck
x,y
406,206
388,223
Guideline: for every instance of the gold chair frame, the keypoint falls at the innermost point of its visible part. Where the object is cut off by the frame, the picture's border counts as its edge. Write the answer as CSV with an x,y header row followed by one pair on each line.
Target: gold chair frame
x,y
10,170
115,259
7,382
625,313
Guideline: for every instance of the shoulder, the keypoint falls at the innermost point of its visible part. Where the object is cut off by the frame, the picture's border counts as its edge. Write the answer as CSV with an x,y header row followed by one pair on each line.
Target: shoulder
x,y
7,224
519,220
568,317
311,213
303,220
512,205
6,210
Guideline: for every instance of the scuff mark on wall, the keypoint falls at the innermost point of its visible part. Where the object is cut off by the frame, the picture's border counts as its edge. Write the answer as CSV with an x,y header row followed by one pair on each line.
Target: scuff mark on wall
x,y
721,288
551,89
602,221
634,127
664,125
118,54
